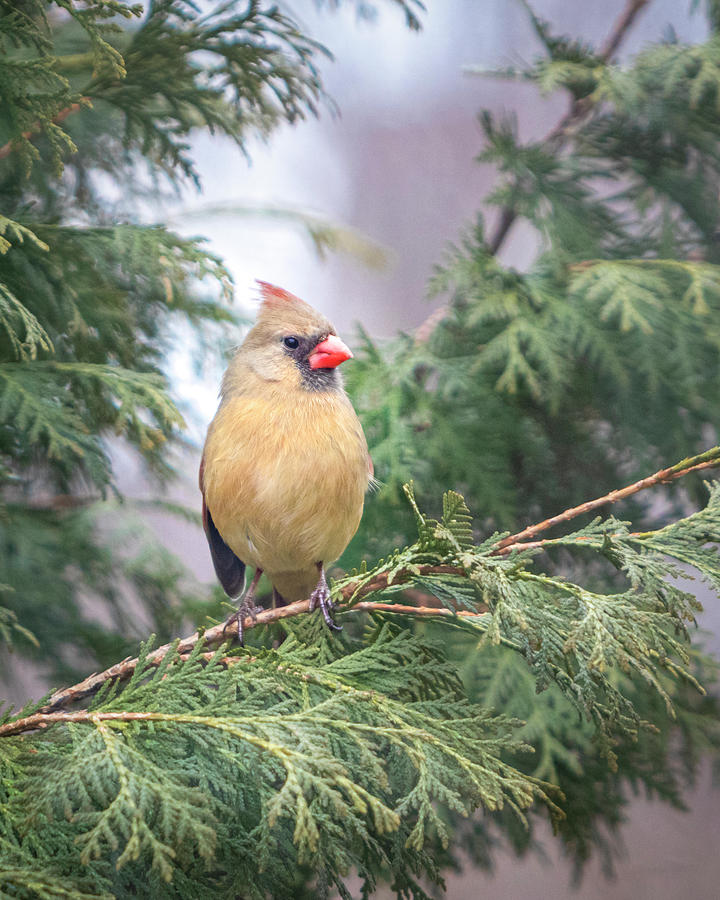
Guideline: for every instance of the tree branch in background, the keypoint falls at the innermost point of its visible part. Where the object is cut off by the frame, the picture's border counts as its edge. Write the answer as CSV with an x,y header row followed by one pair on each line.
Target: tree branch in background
x,y
353,592
11,145
579,109
622,25
555,140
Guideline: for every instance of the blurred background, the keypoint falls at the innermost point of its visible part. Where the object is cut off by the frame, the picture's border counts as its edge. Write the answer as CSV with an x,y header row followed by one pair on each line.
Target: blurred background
x,y
353,211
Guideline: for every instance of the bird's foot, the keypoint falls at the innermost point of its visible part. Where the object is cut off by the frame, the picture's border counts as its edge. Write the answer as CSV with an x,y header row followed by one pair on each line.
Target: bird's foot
x,y
321,597
247,608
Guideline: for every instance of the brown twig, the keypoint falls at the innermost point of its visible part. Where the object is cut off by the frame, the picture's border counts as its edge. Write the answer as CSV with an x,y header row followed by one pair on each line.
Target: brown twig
x,y
623,24
53,716
664,475
218,634
11,145
400,609
43,720
554,140
579,109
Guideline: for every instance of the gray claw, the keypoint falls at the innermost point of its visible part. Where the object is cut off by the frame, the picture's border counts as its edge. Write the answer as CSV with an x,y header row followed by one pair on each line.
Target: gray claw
x,y
246,608
321,597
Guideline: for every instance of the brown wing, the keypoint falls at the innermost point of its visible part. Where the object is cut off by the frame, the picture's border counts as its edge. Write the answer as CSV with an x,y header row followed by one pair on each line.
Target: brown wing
x,y
229,569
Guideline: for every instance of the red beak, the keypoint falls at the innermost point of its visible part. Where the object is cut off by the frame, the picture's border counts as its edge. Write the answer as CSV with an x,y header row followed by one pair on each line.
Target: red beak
x,y
329,353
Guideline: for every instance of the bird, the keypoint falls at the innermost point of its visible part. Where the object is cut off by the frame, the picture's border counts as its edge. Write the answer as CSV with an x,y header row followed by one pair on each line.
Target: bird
x,y
285,466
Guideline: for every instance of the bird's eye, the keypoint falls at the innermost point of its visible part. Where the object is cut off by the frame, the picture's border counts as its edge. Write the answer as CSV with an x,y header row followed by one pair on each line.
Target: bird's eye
x,y
291,342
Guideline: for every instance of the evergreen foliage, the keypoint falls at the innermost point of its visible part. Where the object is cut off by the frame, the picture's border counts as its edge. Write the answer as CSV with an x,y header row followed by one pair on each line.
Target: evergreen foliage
x,y
305,756
484,680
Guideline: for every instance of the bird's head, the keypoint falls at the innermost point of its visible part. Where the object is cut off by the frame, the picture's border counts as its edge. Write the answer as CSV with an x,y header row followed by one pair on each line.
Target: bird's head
x,y
293,343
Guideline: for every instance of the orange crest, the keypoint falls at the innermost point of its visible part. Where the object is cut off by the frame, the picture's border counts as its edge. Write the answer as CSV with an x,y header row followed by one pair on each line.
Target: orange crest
x,y
272,295
282,311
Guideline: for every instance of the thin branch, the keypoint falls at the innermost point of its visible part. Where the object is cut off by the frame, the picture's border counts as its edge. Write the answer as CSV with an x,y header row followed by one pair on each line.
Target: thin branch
x,y
47,717
621,28
43,720
554,140
706,460
400,609
13,144
218,634
59,502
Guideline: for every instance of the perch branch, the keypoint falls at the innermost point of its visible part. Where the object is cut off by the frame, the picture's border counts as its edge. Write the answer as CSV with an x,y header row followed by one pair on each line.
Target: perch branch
x,y
48,716
218,634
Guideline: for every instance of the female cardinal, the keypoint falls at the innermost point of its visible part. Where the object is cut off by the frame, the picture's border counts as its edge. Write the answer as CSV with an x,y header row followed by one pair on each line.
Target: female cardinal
x,y
285,466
